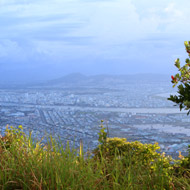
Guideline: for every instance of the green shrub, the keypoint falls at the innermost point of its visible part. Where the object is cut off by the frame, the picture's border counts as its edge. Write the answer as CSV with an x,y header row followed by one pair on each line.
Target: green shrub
x,y
116,164
142,159
183,77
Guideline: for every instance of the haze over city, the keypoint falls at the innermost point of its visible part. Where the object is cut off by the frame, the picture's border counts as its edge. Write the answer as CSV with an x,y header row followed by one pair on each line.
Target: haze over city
x,y
43,39
65,65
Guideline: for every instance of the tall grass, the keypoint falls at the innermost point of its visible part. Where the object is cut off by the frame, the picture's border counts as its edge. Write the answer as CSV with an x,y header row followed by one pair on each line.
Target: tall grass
x,y
29,164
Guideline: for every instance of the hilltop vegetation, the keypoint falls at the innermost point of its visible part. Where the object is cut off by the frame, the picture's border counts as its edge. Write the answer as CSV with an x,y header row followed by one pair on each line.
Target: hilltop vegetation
x,y
114,164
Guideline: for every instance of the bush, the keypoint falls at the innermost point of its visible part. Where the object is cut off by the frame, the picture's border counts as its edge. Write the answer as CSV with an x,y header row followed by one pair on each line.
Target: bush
x,y
115,164
140,159
183,77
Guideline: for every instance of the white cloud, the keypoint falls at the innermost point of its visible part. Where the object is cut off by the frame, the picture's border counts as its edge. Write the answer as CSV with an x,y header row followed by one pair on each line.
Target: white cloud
x,y
53,27
7,47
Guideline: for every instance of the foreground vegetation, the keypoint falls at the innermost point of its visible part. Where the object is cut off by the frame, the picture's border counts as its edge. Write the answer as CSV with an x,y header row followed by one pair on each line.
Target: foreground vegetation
x,y
114,164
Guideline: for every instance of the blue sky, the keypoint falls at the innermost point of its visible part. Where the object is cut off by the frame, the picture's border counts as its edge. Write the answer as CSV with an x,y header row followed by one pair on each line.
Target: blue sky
x,y
44,39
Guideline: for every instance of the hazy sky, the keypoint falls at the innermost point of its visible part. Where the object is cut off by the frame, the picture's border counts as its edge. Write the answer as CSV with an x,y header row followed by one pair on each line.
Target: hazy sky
x,y
42,39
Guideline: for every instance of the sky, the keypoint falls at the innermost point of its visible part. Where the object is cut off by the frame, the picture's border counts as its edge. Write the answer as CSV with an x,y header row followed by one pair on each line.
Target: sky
x,y
46,39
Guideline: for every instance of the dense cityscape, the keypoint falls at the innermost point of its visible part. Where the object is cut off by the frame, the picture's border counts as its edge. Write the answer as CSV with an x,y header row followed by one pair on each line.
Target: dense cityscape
x,y
136,111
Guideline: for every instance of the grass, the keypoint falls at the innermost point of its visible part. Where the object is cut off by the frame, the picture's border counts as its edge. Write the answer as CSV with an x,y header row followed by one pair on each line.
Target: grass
x,y
29,164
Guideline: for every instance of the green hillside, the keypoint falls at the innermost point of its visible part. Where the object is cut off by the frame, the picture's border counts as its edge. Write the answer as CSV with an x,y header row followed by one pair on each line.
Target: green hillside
x,y
114,164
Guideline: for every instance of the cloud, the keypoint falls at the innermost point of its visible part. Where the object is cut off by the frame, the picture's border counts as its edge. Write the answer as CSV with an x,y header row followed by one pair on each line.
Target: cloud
x,y
92,33
7,47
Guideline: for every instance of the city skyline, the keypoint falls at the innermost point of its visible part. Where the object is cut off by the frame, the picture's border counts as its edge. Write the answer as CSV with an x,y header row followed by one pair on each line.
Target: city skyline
x,y
136,110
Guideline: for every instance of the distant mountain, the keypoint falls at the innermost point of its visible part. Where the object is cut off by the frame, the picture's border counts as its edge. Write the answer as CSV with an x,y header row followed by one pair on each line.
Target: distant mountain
x,y
80,80
77,79
71,78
